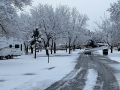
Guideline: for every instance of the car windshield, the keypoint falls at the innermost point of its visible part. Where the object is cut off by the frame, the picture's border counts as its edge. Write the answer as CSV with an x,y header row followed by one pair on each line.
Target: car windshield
x,y
87,49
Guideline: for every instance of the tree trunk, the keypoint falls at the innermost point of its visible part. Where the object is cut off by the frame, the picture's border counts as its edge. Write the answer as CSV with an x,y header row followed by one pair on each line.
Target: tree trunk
x,y
31,49
111,49
51,50
73,47
35,50
54,47
66,47
69,47
26,49
47,53
46,48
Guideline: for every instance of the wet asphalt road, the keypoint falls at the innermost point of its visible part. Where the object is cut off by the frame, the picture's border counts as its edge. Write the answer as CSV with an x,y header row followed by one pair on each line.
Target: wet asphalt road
x,y
76,79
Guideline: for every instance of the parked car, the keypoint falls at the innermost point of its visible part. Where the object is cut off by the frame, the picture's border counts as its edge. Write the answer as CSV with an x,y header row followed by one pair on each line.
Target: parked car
x,y
62,47
87,51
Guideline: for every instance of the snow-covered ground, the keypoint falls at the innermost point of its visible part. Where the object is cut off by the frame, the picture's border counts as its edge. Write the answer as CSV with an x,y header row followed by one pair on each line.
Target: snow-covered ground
x,y
115,56
26,73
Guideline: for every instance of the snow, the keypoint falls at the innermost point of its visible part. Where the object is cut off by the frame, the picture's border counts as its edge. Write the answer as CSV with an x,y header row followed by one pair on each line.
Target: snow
x,y
91,79
26,73
115,56
76,73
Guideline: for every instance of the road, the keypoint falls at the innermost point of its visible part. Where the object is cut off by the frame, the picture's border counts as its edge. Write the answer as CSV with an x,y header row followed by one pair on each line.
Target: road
x,y
76,79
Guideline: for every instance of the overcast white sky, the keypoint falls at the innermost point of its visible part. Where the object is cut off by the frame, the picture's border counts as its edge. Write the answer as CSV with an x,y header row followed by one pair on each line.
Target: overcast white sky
x,y
93,8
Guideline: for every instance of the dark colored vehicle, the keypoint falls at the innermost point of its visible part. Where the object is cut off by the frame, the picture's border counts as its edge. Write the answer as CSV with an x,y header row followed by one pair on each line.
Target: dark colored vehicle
x,y
87,51
105,51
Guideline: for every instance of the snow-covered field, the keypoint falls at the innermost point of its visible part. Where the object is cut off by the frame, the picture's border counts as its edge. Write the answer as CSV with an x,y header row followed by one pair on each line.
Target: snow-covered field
x,y
26,73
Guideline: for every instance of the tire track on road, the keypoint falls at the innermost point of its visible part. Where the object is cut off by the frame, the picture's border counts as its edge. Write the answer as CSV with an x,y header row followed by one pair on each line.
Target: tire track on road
x,y
106,79
75,80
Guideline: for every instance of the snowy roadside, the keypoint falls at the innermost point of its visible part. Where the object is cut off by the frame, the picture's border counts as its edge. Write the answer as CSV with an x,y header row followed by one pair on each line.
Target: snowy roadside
x,y
115,56
27,73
